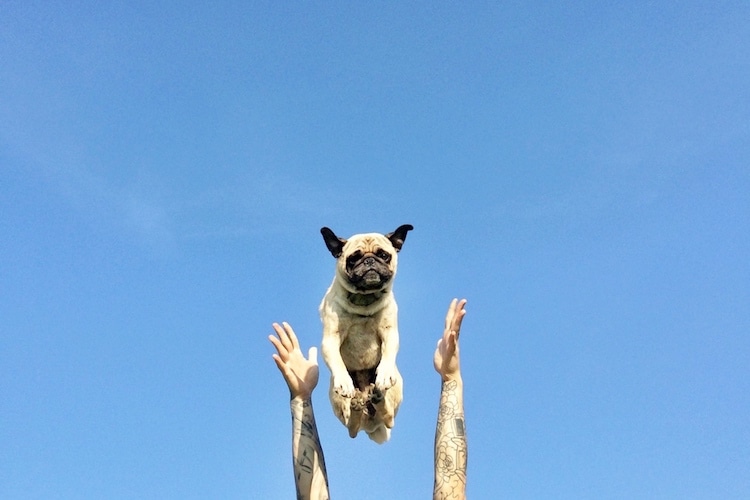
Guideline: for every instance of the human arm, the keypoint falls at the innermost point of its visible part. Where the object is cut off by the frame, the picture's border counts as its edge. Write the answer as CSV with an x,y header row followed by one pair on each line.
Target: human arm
x,y
450,432
301,376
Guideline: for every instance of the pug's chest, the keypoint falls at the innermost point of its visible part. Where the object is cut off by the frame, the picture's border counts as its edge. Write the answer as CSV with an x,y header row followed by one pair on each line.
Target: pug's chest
x,y
361,346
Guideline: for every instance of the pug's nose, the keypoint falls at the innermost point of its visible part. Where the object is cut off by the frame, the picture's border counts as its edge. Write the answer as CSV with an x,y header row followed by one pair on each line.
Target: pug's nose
x,y
369,261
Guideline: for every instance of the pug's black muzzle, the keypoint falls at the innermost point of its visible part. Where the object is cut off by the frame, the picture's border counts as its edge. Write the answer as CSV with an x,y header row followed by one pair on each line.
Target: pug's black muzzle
x,y
369,273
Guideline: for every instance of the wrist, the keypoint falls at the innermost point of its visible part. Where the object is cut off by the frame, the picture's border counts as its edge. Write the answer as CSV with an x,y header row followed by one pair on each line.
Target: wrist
x,y
452,377
301,399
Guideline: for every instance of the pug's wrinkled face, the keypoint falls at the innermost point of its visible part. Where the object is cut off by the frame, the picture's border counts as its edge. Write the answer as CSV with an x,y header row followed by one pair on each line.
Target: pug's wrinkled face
x,y
370,264
366,262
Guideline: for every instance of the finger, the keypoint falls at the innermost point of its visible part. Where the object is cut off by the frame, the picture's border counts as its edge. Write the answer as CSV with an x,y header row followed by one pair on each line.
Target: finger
x,y
459,316
312,355
457,322
279,363
292,336
449,314
279,331
282,351
283,336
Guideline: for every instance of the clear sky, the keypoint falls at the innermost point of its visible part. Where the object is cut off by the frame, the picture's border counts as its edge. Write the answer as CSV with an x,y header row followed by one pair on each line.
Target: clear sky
x,y
578,170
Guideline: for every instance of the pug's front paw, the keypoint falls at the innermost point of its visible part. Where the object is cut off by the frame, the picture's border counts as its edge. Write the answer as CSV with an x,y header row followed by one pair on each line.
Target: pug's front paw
x,y
343,385
386,378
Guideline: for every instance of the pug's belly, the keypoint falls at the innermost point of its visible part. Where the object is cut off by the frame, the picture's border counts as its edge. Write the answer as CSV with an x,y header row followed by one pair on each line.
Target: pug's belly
x,y
360,349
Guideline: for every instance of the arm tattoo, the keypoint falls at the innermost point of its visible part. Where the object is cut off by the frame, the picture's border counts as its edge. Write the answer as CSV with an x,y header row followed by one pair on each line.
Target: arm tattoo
x,y
450,445
310,477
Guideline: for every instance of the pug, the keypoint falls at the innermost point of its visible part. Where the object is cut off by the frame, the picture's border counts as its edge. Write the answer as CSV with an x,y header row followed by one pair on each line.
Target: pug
x,y
360,331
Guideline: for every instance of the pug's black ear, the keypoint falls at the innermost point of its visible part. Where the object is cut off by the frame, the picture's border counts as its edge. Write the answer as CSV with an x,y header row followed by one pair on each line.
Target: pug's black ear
x,y
334,243
398,236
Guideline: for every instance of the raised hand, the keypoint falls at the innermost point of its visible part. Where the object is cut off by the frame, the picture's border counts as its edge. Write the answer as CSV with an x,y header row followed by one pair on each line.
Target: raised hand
x,y
446,358
300,373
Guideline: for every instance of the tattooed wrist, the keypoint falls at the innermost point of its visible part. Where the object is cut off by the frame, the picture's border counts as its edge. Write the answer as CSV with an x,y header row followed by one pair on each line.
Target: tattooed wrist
x,y
450,377
300,401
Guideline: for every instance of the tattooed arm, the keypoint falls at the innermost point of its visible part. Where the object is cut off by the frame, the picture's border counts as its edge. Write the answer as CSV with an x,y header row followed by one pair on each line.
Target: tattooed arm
x,y
450,433
310,475
301,375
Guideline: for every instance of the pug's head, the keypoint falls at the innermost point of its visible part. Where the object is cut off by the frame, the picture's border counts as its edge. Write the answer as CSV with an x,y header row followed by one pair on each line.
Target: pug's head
x,y
366,262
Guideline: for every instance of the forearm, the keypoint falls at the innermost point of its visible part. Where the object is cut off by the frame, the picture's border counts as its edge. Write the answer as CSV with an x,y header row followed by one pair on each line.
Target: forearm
x,y
310,475
450,443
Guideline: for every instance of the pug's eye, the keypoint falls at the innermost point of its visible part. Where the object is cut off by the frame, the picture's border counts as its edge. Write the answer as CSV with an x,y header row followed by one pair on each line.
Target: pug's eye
x,y
353,258
383,255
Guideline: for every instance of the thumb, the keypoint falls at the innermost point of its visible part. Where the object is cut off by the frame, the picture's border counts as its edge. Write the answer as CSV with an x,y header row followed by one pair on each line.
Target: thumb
x,y
312,355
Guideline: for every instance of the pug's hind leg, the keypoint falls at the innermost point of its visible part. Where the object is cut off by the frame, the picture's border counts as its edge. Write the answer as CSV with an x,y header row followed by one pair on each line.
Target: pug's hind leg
x,y
382,407
386,403
357,407
342,406
380,434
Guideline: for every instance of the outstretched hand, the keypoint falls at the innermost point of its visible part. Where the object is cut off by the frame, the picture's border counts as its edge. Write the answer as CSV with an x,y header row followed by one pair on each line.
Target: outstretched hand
x,y
300,374
446,358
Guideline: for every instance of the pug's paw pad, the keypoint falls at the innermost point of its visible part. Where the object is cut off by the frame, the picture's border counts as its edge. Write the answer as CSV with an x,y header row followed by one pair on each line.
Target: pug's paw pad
x,y
376,396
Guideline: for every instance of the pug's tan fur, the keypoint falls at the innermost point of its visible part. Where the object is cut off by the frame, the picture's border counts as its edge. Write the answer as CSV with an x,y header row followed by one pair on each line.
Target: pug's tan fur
x,y
360,331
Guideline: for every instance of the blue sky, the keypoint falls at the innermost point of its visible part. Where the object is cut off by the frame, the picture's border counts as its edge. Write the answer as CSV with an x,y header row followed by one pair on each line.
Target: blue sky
x,y
578,171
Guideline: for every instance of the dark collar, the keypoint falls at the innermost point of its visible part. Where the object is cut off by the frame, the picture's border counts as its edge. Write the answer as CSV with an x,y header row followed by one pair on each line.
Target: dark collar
x,y
364,299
